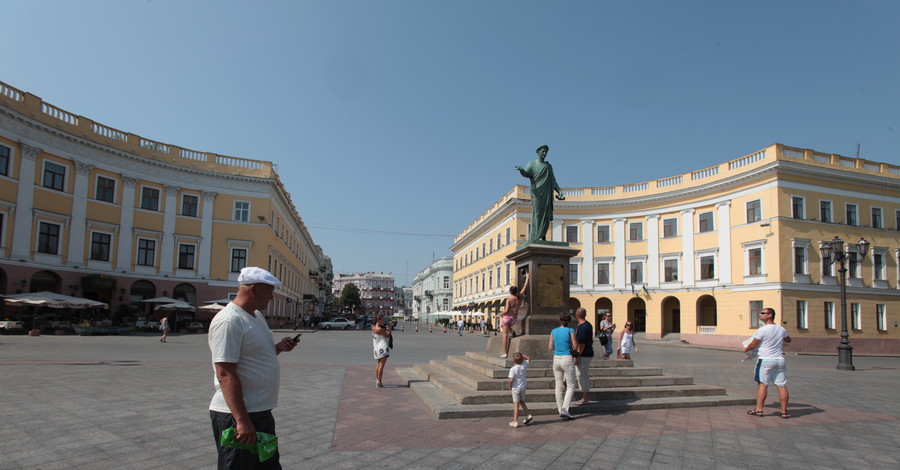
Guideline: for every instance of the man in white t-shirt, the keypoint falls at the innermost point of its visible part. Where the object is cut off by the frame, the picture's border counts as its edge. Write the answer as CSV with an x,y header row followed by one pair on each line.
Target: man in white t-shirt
x,y
459,326
770,366
246,370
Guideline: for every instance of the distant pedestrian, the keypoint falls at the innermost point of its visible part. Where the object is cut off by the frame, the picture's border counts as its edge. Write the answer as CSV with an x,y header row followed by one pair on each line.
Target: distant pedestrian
x,y
381,336
517,384
562,342
459,326
483,327
584,336
605,333
626,342
770,366
164,327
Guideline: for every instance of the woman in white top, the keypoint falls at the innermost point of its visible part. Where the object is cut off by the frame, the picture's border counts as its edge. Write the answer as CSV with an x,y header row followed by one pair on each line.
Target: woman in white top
x,y
381,335
164,327
626,341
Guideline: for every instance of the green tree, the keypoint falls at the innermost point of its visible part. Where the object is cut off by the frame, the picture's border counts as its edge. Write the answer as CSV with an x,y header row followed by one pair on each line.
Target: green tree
x,y
350,296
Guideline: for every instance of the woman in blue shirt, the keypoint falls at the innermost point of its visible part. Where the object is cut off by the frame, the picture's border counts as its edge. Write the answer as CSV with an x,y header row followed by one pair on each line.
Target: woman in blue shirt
x,y
562,342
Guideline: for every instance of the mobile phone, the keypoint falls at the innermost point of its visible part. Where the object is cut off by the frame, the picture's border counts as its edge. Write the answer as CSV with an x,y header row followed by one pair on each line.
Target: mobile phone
x,y
297,338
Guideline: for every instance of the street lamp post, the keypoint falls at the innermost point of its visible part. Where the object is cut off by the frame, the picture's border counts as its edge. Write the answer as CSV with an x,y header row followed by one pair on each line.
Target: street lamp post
x,y
834,251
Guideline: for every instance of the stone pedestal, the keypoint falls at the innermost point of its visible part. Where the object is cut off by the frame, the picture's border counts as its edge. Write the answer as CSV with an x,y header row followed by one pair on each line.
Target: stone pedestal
x,y
547,295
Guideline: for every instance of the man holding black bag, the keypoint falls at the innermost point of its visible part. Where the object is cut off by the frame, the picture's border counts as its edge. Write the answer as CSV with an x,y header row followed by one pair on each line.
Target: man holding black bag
x,y
605,333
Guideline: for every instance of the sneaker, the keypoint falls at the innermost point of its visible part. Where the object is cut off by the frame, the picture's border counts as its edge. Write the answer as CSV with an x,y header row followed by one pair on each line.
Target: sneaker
x,y
528,419
379,385
514,424
503,355
566,416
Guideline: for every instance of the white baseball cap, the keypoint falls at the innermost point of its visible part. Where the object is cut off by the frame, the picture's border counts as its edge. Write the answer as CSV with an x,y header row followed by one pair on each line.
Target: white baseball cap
x,y
254,275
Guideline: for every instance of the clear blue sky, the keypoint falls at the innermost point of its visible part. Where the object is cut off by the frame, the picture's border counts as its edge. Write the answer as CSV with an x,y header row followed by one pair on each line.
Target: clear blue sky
x,y
409,116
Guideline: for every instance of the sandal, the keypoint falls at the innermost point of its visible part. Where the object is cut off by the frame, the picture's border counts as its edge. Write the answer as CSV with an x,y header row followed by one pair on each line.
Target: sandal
x,y
755,413
784,415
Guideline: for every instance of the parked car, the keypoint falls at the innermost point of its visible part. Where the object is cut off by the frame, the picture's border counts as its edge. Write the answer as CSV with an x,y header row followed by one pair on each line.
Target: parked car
x,y
337,323
8,327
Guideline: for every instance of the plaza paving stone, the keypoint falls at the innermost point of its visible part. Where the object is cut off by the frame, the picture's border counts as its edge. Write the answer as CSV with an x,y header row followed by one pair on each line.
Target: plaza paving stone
x,y
70,402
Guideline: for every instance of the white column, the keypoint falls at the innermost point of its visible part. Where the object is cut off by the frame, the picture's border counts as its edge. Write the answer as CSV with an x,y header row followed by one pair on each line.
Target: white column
x,y
687,247
556,232
653,250
167,252
724,242
23,228
621,269
77,233
126,225
587,253
206,226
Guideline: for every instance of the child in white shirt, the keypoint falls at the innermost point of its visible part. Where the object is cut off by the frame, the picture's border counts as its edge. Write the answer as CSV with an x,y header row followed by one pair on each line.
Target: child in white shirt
x,y
517,384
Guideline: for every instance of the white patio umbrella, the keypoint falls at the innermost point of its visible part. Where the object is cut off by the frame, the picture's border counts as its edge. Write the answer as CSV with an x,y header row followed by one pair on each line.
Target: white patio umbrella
x,y
212,307
52,300
161,300
176,305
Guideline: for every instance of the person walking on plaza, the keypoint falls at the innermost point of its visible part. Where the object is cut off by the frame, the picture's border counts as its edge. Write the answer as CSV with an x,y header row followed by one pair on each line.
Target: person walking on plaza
x,y
459,326
562,342
770,365
164,327
245,361
584,336
517,384
381,342
511,313
607,328
626,342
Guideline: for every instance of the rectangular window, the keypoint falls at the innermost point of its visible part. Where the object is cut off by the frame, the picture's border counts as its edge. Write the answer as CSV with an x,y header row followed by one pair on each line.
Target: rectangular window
x,y
48,238
825,211
799,260
754,211
756,306
603,273
797,210
241,211
877,221
855,317
897,222
150,199
670,266
4,160
186,256
507,236
829,315
447,281
707,267
827,269
146,252
491,246
802,322
754,260
573,274
106,189
100,243
706,222
851,215
670,227
637,272
189,205
572,234
880,317
238,259
603,233
878,266
54,176
636,231
507,274
853,265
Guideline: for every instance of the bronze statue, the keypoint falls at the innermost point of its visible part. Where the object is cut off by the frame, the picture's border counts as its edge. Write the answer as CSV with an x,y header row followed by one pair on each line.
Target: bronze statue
x,y
543,185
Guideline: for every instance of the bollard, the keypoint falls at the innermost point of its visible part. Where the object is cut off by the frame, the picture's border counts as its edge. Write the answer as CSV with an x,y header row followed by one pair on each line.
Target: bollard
x,y
430,329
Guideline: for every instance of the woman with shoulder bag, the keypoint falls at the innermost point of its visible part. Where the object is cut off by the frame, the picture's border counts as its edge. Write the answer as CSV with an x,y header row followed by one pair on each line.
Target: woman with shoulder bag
x,y
606,330
381,344
563,343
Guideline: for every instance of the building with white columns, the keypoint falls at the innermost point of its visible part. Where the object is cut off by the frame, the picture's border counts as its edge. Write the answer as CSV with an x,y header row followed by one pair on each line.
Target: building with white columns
x,y
697,255
90,210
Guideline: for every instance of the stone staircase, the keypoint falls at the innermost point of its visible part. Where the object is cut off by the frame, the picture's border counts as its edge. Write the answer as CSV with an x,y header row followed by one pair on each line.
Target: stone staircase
x,y
476,386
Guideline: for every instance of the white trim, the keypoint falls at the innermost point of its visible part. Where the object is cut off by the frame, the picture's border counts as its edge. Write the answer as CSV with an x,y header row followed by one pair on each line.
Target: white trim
x,y
830,211
159,201
802,207
115,181
66,171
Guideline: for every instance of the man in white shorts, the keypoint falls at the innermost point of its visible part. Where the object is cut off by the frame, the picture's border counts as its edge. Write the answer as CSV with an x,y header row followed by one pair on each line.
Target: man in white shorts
x,y
770,366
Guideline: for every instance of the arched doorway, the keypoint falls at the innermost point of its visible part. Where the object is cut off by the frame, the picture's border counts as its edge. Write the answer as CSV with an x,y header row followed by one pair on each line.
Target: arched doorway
x,y
707,315
185,292
141,290
574,304
601,307
637,314
45,281
671,314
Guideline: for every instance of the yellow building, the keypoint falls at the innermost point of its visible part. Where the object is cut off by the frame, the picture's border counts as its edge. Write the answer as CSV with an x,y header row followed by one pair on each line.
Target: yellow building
x,y
90,210
697,255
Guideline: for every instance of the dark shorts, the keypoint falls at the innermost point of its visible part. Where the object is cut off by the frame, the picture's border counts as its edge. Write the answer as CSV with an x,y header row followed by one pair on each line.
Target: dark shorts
x,y
233,459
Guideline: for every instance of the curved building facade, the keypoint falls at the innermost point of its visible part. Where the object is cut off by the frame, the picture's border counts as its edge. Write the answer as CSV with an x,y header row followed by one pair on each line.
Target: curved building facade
x,y
89,210
696,256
